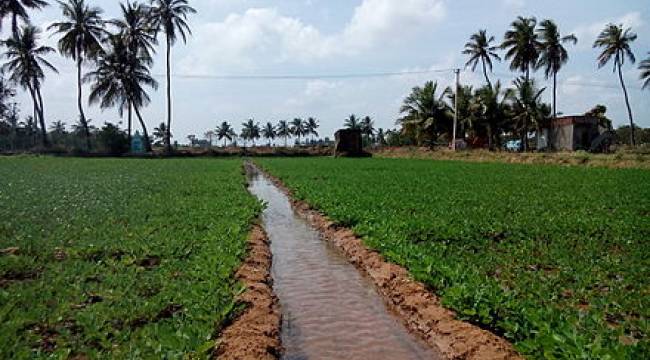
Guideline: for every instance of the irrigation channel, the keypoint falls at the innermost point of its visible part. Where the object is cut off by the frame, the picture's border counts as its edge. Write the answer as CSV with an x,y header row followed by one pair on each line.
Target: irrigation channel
x,y
329,309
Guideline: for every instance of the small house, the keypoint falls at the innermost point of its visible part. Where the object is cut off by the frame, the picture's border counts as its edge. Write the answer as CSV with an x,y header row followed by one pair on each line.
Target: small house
x,y
571,133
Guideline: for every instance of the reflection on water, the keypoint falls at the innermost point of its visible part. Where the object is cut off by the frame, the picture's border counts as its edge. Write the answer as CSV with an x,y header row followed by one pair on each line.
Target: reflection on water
x,y
330,311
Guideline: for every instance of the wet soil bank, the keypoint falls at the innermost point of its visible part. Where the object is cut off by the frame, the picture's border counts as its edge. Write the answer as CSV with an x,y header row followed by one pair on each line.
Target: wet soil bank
x,y
256,333
418,309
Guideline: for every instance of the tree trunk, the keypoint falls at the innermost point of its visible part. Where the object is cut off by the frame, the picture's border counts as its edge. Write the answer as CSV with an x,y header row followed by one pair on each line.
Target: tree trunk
x,y
168,137
490,142
82,116
627,103
147,143
36,114
524,133
486,74
554,95
130,122
41,114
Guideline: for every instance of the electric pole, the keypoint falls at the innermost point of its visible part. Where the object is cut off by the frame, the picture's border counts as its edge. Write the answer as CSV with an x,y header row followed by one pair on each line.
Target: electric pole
x,y
453,141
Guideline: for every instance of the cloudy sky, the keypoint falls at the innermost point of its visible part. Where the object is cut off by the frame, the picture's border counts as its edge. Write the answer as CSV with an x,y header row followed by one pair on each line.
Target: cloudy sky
x,y
318,40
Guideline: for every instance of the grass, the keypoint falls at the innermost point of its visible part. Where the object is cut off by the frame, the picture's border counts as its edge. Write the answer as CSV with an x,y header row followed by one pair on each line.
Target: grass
x,y
553,258
119,258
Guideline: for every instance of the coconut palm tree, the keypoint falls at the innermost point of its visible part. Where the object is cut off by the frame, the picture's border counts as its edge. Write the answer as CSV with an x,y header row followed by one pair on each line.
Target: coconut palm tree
x,y
170,17
136,30
615,42
268,132
527,108
225,132
367,127
491,109
522,45
17,10
645,72
553,55
120,79
25,63
311,126
298,128
159,133
426,115
250,130
81,37
352,122
283,130
479,49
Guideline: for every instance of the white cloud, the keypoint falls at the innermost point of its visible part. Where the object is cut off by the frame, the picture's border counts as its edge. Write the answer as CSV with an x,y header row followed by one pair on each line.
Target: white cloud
x,y
588,33
265,35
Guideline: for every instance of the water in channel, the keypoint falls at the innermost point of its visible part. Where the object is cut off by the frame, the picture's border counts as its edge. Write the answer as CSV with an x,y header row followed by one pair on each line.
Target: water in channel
x,y
330,311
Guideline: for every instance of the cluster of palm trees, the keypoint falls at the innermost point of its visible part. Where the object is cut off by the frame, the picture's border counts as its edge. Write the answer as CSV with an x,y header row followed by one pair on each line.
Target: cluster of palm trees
x,y
252,131
491,111
120,52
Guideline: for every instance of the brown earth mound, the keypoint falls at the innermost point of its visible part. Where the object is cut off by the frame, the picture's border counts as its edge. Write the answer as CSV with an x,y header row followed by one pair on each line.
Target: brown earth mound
x,y
256,333
419,309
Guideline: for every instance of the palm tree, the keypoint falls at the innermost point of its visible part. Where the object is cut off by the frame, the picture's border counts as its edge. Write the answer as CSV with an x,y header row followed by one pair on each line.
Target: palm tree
x,y
367,127
57,131
268,132
225,132
426,115
170,16
645,72
283,130
136,31
522,45
298,128
527,108
310,127
17,9
119,79
615,42
352,122
82,33
25,62
159,133
490,107
479,49
553,54
136,28
251,130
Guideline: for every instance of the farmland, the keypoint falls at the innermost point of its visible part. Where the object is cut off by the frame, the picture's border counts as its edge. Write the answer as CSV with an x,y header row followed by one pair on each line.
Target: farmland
x,y
555,259
119,258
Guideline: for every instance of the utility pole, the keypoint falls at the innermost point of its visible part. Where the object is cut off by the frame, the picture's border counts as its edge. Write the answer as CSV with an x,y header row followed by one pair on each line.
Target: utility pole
x,y
453,141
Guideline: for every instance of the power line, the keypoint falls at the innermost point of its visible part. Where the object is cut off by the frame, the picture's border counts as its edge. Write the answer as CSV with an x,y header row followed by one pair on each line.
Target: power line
x,y
306,77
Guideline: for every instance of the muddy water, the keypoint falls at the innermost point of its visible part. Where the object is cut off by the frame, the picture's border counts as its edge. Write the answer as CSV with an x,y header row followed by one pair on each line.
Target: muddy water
x,y
330,311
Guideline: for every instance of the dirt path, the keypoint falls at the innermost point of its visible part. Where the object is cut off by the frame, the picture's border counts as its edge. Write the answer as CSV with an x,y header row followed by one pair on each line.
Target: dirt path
x,y
419,309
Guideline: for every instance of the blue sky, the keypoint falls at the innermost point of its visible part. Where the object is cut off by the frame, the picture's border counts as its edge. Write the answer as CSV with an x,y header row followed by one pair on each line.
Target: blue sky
x,y
306,37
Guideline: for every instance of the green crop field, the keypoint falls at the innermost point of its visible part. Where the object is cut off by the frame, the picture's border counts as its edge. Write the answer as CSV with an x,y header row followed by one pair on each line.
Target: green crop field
x,y
118,258
556,259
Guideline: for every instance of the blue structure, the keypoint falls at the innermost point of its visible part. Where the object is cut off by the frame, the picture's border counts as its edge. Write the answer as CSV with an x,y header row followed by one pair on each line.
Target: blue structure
x,y
137,143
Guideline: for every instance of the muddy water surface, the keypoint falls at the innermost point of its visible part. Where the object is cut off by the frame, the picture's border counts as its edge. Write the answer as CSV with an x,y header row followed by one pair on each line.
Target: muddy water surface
x,y
330,311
